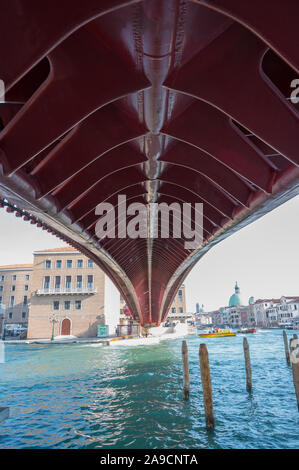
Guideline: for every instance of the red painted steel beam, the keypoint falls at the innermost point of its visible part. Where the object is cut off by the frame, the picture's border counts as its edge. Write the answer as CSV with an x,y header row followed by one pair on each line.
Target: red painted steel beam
x,y
169,101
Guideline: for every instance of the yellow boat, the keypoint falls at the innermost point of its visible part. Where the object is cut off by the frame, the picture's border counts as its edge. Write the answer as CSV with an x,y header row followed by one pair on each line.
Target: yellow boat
x,y
119,338
217,333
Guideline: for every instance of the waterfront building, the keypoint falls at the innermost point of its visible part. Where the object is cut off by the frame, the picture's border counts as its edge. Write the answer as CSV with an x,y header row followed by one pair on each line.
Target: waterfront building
x,y
202,318
71,287
277,312
15,293
262,312
177,310
61,285
216,318
236,314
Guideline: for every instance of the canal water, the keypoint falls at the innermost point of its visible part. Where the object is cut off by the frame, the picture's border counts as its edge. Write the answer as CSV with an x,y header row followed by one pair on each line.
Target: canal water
x,y
90,396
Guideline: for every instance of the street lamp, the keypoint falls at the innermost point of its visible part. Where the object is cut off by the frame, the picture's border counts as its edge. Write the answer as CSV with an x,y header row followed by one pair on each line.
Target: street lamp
x,y
53,319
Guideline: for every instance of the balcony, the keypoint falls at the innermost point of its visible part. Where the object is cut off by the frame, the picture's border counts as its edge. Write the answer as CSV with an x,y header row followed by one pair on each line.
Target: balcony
x,y
67,291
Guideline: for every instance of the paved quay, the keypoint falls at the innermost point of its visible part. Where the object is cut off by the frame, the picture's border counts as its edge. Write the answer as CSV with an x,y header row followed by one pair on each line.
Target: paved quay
x,y
58,341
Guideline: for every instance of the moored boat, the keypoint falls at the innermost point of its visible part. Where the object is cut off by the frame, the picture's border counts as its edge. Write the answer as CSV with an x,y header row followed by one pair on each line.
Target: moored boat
x,y
217,333
247,330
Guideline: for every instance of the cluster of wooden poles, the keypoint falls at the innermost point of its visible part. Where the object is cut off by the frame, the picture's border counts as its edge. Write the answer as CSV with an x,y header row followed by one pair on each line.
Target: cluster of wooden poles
x,y
206,376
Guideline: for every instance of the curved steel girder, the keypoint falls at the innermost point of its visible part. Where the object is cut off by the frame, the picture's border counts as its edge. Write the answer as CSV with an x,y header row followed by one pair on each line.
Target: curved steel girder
x,y
194,159
139,198
82,184
216,207
133,192
122,158
100,191
214,134
45,28
157,43
166,189
80,63
104,130
274,22
14,190
201,186
284,188
210,212
207,226
219,75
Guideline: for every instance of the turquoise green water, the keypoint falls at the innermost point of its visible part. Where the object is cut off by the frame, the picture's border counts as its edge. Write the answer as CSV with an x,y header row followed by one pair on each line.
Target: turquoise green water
x,y
82,396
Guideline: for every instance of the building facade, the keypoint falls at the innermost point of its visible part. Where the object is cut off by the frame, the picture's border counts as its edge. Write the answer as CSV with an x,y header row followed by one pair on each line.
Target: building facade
x,y
62,292
177,310
262,312
15,293
67,292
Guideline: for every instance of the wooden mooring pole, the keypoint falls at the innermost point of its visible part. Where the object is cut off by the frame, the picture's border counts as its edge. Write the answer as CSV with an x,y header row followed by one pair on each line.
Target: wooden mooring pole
x,y
206,386
286,347
186,370
247,365
294,350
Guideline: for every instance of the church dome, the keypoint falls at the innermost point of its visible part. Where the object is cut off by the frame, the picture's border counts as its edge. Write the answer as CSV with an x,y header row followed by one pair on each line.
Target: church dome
x,y
234,300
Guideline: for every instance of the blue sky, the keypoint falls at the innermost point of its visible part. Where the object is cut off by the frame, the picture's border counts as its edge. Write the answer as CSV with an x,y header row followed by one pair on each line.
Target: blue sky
x,y
263,257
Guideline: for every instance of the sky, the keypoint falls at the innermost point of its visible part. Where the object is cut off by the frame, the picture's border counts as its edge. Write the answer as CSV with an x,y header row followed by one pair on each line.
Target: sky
x,y
263,257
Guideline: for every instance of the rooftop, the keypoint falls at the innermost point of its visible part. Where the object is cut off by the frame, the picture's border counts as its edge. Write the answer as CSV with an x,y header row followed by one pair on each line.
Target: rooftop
x,y
58,250
17,266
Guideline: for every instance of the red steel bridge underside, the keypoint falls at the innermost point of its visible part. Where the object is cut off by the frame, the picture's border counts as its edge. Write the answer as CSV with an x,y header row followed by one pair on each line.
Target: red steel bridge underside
x,y
160,100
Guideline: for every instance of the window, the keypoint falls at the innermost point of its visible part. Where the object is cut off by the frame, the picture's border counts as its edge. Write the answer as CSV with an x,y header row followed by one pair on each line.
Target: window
x,y
1,288
10,315
26,287
25,300
23,315
14,277
79,282
80,263
180,295
68,282
47,282
58,264
90,263
67,305
48,264
27,277
69,263
2,278
90,282
173,309
56,305
0,300
57,282
12,301
13,288
181,309
78,304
